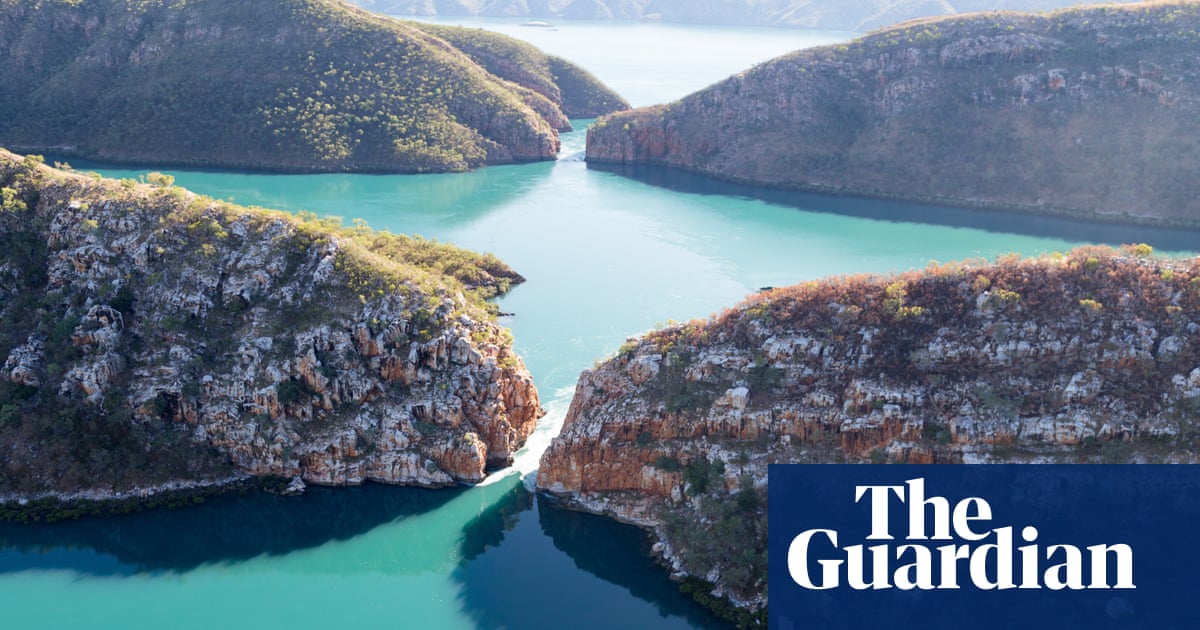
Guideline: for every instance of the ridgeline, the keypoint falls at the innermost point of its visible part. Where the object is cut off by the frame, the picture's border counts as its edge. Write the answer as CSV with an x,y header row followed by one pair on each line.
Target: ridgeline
x,y
286,85
861,15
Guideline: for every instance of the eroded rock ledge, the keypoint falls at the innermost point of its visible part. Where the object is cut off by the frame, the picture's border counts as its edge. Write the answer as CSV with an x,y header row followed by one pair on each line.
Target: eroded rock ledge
x,y
1088,357
151,337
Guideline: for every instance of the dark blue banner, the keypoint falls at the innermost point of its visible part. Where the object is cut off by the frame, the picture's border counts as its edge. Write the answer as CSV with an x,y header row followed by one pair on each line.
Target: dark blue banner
x,y
983,547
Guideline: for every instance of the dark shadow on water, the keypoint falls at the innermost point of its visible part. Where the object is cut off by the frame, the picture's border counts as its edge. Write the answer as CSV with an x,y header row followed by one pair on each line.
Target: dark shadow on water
x,y
486,531
570,569
1023,223
603,548
226,528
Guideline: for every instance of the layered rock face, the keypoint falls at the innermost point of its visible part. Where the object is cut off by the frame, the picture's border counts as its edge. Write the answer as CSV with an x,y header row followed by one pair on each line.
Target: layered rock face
x,y
292,85
151,336
1087,111
1089,357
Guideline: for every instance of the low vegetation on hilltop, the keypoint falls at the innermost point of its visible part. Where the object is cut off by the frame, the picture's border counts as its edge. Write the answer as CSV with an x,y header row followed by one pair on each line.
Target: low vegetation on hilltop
x,y
295,85
150,336
1091,356
573,90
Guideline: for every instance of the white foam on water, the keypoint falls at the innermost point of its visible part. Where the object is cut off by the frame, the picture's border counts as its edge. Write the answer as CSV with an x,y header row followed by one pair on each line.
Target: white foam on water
x,y
525,461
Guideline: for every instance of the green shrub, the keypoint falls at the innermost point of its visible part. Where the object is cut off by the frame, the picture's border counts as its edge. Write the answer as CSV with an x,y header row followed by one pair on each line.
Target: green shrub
x,y
667,464
289,391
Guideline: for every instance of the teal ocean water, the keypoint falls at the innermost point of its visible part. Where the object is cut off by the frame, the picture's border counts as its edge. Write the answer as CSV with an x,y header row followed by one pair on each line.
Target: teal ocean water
x,y
606,257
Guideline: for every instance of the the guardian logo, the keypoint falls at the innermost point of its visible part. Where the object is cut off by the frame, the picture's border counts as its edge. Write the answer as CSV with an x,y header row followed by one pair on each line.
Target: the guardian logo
x,y
946,547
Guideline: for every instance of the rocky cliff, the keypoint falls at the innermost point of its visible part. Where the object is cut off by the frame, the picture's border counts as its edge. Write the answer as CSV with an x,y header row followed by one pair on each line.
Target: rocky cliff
x,y
1088,111
1092,356
293,85
863,15
152,338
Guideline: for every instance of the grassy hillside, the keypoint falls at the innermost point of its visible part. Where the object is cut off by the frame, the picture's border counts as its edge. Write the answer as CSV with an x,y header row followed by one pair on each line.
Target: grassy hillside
x,y
1092,111
573,90
303,85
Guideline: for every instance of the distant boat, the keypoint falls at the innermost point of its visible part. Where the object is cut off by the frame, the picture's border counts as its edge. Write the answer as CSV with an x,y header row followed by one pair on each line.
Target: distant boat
x,y
537,23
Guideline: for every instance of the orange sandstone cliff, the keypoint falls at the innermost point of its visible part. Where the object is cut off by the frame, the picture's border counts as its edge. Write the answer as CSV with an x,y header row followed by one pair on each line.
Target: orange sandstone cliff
x,y
1088,357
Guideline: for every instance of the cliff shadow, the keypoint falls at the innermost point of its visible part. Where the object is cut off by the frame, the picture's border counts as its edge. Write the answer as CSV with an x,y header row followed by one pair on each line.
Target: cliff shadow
x,y
1171,239
579,569
227,528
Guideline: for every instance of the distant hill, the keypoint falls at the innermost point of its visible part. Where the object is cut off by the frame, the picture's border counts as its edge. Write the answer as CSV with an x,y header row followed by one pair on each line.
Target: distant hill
x,y
861,15
1091,111
298,85
571,89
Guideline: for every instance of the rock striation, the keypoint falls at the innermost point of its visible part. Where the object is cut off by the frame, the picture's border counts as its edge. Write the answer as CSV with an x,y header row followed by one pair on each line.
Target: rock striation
x,y
1093,356
287,85
150,337
1085,111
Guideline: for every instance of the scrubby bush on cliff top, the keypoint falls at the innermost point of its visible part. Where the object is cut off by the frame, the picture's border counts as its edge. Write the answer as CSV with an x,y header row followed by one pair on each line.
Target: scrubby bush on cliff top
x,y
1096,292
305,85
1088,356
148,334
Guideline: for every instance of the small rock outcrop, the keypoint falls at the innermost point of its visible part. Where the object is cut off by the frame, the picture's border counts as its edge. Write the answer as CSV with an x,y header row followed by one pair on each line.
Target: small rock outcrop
x,y
150,336
1089,111
1088,357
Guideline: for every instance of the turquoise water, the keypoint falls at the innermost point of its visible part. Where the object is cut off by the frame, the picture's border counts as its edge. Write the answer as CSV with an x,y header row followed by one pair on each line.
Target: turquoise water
x,y
606,257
